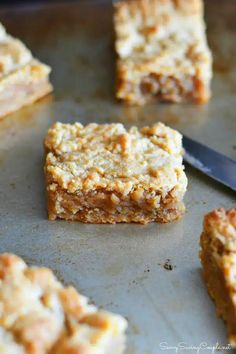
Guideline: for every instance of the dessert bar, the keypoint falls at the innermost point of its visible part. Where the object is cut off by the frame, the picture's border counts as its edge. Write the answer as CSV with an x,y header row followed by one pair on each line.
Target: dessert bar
x,y
218,257
40,315
107,174
162,51
23,79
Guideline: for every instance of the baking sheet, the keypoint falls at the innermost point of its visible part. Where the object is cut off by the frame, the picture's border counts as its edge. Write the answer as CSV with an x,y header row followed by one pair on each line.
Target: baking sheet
x,y
120,267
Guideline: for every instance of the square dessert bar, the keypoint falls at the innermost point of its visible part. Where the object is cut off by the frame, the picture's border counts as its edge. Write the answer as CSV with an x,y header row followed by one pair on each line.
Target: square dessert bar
x,y
218,257
107,174
162,51
23,79
41,316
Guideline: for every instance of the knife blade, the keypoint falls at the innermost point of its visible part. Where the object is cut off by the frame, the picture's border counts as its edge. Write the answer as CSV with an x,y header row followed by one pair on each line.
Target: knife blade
x,y
212,163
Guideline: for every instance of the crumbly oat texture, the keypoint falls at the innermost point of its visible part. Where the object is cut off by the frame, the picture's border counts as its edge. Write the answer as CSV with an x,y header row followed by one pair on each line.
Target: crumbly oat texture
x,y
38,315
107,174
218,257
23,79
162,51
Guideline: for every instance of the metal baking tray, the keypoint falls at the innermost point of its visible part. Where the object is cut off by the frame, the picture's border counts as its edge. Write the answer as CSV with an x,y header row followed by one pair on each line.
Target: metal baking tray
x,y
120,267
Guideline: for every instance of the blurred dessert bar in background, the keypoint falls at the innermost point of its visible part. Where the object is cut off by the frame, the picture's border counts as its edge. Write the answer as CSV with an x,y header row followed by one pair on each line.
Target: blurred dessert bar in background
x,y
23,79
162,51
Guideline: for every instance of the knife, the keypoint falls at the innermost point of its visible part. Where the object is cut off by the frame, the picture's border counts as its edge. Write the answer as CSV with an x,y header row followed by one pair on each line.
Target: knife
x,y
210,162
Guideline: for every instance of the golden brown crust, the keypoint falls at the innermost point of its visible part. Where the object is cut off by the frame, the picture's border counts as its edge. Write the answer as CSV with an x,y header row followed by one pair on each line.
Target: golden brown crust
x,y
104,173
218,257
162,51
39,315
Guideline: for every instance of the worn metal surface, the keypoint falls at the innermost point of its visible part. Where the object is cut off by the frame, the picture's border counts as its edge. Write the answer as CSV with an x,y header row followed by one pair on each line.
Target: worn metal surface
x,y
119,267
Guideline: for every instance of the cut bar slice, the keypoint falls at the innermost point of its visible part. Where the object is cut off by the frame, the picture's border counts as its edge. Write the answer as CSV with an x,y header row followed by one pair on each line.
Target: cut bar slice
x,y
107,174
39,315
23,79
23,87
218,257
162,51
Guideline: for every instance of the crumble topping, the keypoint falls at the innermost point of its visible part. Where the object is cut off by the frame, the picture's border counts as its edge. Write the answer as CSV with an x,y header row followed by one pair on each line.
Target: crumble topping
x,y
13,55
221,225
110,157
164,36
